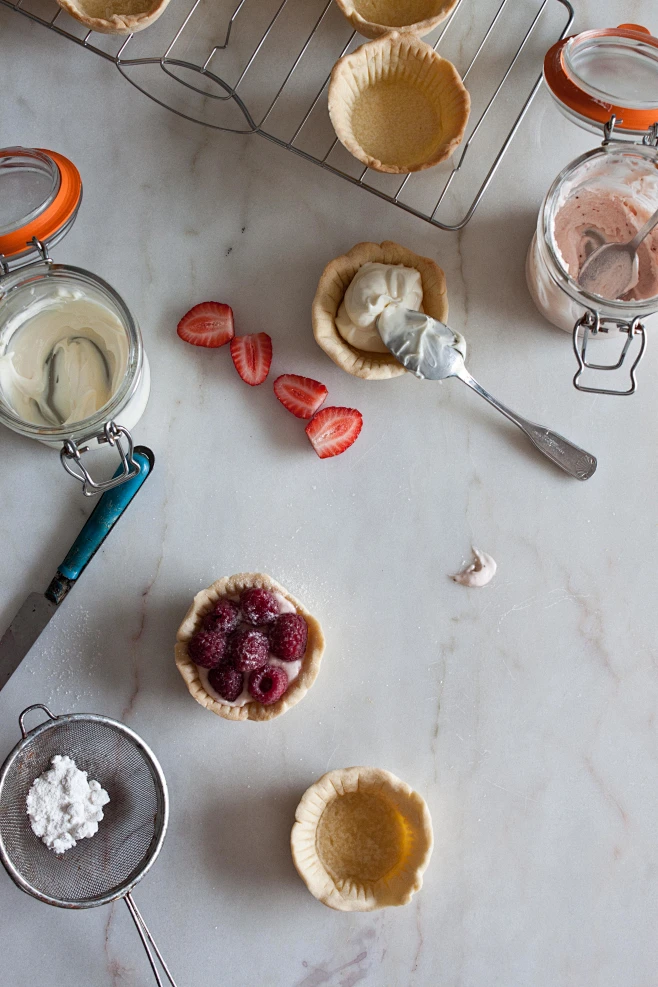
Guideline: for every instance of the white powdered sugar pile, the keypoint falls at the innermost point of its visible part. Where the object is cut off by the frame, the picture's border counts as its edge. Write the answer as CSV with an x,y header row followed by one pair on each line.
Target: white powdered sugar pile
x,y
63,806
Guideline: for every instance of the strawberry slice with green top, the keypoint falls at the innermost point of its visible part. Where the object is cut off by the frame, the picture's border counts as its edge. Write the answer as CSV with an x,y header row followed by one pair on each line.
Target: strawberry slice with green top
x,y
252,356
207,324
333,430
302,396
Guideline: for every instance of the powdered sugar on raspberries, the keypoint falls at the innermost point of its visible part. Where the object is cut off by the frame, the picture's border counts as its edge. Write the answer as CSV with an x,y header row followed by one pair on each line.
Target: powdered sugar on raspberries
x,y
266,685
224,617
291,668
248,649
207,648
226,681
259,606
288,636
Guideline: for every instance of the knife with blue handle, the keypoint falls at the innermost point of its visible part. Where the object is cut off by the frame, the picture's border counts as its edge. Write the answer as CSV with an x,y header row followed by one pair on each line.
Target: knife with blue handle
x,y
39,608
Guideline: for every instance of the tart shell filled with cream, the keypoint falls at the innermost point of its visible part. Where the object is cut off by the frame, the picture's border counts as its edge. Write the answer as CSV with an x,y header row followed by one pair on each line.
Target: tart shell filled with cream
x,y
362,839
354,289
247,649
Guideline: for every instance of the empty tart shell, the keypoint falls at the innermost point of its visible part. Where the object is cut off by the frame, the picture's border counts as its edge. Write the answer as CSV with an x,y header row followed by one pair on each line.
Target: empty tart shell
x,y
362,839
232,587
114,16
337,277
372,18
396,105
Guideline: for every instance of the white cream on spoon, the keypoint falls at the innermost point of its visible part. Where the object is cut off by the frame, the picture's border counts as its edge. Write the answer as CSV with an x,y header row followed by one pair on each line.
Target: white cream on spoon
x,y
433,351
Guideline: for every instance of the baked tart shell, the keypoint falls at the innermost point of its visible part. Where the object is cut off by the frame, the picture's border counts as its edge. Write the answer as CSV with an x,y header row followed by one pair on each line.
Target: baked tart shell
x,y
362,839
334,282
132,18
396,105
420,18
232,586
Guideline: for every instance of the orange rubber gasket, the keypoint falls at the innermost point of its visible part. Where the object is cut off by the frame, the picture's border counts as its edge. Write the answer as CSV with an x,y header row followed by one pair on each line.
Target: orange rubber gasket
x,y
55,216
568,93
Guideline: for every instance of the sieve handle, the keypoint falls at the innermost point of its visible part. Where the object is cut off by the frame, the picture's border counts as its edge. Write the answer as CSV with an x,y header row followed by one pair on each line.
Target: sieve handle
x,y
148,941
21,718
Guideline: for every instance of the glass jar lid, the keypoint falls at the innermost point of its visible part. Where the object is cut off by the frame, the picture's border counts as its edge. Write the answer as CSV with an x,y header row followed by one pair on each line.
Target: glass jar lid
x,y
602,73
40,192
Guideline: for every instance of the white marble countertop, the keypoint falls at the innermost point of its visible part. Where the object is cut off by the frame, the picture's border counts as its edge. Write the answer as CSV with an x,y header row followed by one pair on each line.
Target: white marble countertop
x,y
525,712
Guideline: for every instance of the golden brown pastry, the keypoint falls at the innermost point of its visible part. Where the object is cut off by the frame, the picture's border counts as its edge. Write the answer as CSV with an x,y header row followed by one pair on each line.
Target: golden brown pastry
x,y
114,16
372,18
396,105
361,840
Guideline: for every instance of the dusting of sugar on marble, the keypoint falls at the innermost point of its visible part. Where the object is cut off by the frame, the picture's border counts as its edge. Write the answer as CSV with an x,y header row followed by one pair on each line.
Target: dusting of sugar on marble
x,y
72,659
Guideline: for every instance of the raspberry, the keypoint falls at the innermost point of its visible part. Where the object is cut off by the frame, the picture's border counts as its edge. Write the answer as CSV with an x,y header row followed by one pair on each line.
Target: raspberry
x,y
207,648
224,616
227,681
267,684
259,606
288,636
248,649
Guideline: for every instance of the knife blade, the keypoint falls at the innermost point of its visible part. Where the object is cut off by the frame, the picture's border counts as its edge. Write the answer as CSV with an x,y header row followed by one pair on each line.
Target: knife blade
x,y
23,631
39,608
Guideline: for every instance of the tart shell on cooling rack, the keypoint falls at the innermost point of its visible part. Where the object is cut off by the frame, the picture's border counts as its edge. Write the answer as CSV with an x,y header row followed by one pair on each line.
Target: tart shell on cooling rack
x,y
397,105
372,18
114,16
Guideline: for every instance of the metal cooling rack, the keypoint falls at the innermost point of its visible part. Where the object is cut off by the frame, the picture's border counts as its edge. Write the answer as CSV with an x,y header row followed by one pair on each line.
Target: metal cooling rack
x,y
263,66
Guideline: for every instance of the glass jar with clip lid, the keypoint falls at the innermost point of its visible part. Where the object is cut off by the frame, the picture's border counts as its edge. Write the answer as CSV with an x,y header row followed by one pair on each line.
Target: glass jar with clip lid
x,y
603,81
73,371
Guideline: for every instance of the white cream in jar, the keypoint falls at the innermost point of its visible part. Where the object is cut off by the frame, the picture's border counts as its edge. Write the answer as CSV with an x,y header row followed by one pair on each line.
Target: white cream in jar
x,y
373,288
63,357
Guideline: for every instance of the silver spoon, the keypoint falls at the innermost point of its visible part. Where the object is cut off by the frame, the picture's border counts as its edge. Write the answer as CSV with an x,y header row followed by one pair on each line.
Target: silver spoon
x,y
433,351
612,269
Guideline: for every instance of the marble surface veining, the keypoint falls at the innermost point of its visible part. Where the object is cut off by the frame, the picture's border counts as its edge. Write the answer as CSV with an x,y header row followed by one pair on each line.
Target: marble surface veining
x,y
524,712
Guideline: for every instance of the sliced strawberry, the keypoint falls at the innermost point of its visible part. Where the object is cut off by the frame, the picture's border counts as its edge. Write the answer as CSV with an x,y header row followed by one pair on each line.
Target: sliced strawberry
x,y
207,324
333,430
252,356
300,395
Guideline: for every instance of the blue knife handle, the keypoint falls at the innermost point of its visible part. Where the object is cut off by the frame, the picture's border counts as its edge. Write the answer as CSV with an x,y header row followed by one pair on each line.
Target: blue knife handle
x,y
98,525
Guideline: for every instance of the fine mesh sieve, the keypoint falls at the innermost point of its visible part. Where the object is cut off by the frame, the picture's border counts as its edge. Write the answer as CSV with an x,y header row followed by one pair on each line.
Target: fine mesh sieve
x,y
106,866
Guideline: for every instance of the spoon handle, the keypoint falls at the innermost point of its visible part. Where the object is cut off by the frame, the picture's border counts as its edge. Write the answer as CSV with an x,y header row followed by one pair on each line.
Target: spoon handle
x,y
569,457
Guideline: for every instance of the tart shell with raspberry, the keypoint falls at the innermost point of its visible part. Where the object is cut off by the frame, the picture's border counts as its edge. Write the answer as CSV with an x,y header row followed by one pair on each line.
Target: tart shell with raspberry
x,y
233,588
